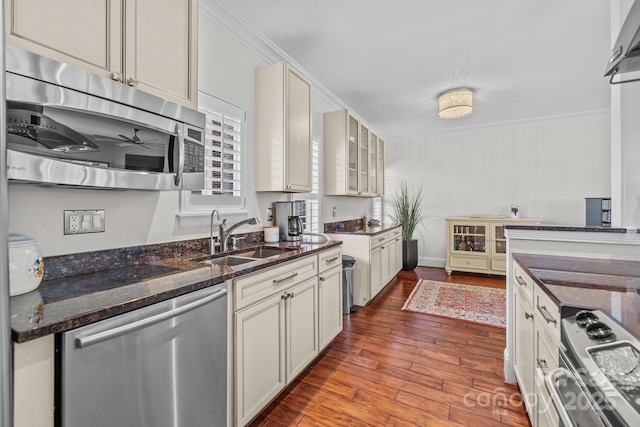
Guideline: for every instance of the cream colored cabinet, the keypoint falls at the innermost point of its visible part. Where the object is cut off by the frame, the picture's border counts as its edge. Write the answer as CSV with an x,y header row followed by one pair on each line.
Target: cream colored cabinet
x,y
478,244
373,164
352,162
260,371
376,261
149,44
283,129
330,295
536,341
282,317
380,167
363,161
33,382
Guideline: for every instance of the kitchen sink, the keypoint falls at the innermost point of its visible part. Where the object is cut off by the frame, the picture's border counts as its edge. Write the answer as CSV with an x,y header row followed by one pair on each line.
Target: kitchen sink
x,y
263,252
229,260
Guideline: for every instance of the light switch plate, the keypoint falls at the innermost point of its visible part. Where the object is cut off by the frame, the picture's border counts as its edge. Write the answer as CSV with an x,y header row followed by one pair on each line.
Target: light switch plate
x,y
83,222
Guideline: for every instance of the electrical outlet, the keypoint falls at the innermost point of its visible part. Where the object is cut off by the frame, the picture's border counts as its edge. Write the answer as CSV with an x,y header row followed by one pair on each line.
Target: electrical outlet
x,y
335,211
74,222
83,222
269,214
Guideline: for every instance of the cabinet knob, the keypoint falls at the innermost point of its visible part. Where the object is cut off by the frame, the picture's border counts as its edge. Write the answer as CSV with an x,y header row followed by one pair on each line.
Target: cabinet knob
x,y
528,316
132,82
117,76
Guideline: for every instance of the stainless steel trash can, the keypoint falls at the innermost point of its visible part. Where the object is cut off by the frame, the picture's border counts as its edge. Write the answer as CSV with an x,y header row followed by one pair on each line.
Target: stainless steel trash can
x,y
348,268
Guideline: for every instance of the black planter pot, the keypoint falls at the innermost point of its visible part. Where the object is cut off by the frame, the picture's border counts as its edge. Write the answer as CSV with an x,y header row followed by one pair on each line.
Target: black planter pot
x,y
409,254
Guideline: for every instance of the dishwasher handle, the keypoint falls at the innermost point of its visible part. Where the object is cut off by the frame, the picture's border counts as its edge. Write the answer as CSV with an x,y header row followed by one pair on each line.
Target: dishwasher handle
x,y
89,340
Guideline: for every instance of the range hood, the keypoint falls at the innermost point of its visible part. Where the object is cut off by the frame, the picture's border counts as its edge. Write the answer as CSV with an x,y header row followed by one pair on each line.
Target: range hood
x,y
625,55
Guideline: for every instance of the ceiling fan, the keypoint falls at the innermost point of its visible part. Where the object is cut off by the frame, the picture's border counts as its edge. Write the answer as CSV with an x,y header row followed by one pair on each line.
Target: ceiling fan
x,y
125,140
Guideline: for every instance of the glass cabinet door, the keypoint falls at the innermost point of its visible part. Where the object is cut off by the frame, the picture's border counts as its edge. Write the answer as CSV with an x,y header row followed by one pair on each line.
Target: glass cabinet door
x,y
373,164
363,176
499,241
353,128
469,237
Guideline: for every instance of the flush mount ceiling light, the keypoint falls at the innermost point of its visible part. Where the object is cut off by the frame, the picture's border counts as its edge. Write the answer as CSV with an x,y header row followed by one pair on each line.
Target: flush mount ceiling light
x,y
455,103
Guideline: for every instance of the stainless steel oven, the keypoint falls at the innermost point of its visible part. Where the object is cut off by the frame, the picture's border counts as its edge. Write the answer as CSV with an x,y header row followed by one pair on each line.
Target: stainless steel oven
x,y
66,126
598,379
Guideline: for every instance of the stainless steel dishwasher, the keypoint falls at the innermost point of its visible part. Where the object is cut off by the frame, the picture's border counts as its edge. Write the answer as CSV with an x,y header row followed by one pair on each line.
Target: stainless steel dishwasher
x,y
161,365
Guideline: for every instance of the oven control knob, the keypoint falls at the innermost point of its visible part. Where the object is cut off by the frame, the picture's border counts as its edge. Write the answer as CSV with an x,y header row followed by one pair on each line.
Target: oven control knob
x,y
598,330
585,317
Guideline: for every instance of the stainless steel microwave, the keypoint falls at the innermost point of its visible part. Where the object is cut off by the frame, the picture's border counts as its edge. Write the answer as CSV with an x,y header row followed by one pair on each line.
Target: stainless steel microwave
x,y
70,127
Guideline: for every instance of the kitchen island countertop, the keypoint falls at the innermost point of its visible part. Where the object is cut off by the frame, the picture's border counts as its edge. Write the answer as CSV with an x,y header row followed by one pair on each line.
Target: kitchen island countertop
x,y
610,285
69,302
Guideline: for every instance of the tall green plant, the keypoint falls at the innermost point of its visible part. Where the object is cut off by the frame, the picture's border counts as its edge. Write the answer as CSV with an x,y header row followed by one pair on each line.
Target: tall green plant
x,y
407,209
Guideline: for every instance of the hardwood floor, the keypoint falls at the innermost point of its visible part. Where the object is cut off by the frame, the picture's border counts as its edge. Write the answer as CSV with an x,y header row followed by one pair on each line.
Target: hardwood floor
x,y
395,368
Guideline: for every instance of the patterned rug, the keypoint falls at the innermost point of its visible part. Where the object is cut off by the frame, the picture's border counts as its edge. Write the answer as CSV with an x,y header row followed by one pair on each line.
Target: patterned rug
x,y
476,304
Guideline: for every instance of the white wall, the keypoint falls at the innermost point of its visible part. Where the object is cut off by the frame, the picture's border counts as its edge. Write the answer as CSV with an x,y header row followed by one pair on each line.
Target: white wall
x,y
548,168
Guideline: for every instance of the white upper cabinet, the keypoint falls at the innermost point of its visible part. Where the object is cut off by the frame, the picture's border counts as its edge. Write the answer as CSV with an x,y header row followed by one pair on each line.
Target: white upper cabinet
x,y
283,129
352,162
149,44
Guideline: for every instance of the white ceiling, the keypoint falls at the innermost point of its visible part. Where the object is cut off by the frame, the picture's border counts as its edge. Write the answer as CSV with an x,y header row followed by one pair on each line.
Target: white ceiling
x,y
389,60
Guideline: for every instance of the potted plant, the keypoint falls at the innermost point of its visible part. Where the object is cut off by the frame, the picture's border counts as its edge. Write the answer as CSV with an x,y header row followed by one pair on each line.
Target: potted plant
x,y
407,211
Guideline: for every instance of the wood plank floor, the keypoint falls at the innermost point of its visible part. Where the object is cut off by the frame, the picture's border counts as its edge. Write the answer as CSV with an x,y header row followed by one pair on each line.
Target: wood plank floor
x,y
394,368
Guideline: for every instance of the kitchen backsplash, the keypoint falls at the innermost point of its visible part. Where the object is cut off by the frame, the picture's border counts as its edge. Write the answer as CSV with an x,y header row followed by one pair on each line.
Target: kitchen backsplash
x,y
57,267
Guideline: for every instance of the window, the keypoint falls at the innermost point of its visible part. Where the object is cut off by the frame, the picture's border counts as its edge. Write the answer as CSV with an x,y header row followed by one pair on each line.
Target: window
x,y
312,218
224,171
377,209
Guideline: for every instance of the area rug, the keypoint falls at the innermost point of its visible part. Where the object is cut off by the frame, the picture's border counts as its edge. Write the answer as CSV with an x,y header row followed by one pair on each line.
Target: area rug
x,y
477,304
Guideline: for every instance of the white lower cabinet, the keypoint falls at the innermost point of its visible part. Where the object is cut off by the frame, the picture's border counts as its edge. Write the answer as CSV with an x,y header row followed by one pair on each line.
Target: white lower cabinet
x,y
283,317
33,382
330,301
378,259
536,335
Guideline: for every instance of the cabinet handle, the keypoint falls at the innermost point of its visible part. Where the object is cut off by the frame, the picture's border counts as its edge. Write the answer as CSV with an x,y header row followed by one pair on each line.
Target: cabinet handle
x,y
528,316
335,258
521,281
117,76
277,281
545,313
542,363
132,82
321,279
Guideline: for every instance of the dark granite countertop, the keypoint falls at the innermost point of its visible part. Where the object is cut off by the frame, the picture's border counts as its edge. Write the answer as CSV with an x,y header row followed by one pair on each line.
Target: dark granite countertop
x,y
606,284
589,229
68,302
368,231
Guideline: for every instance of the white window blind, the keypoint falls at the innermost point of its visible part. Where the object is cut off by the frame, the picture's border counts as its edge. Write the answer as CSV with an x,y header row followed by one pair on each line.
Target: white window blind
x,y
377,209
312,219
224,168
223,154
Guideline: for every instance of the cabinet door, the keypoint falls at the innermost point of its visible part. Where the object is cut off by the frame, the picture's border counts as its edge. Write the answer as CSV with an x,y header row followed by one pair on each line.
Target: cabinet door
x,y
524,354
330,302
380,168
376,271
298,132
363,159
392,258
160,48
469,237
259,356
84,33
373,164
353,149
301,326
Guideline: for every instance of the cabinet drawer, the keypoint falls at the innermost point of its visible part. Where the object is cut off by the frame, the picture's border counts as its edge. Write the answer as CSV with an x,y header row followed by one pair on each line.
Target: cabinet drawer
x,y
547,312
255,287
547,353
380,239
469,262
329,259
523,282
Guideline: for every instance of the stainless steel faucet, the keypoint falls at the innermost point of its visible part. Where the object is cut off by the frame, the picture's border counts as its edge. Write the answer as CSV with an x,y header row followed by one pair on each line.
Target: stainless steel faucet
x,y
212,242
224,232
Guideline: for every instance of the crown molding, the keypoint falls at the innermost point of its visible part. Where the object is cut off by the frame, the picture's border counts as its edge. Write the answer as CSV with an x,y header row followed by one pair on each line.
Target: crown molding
x,y
220,12
510,124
